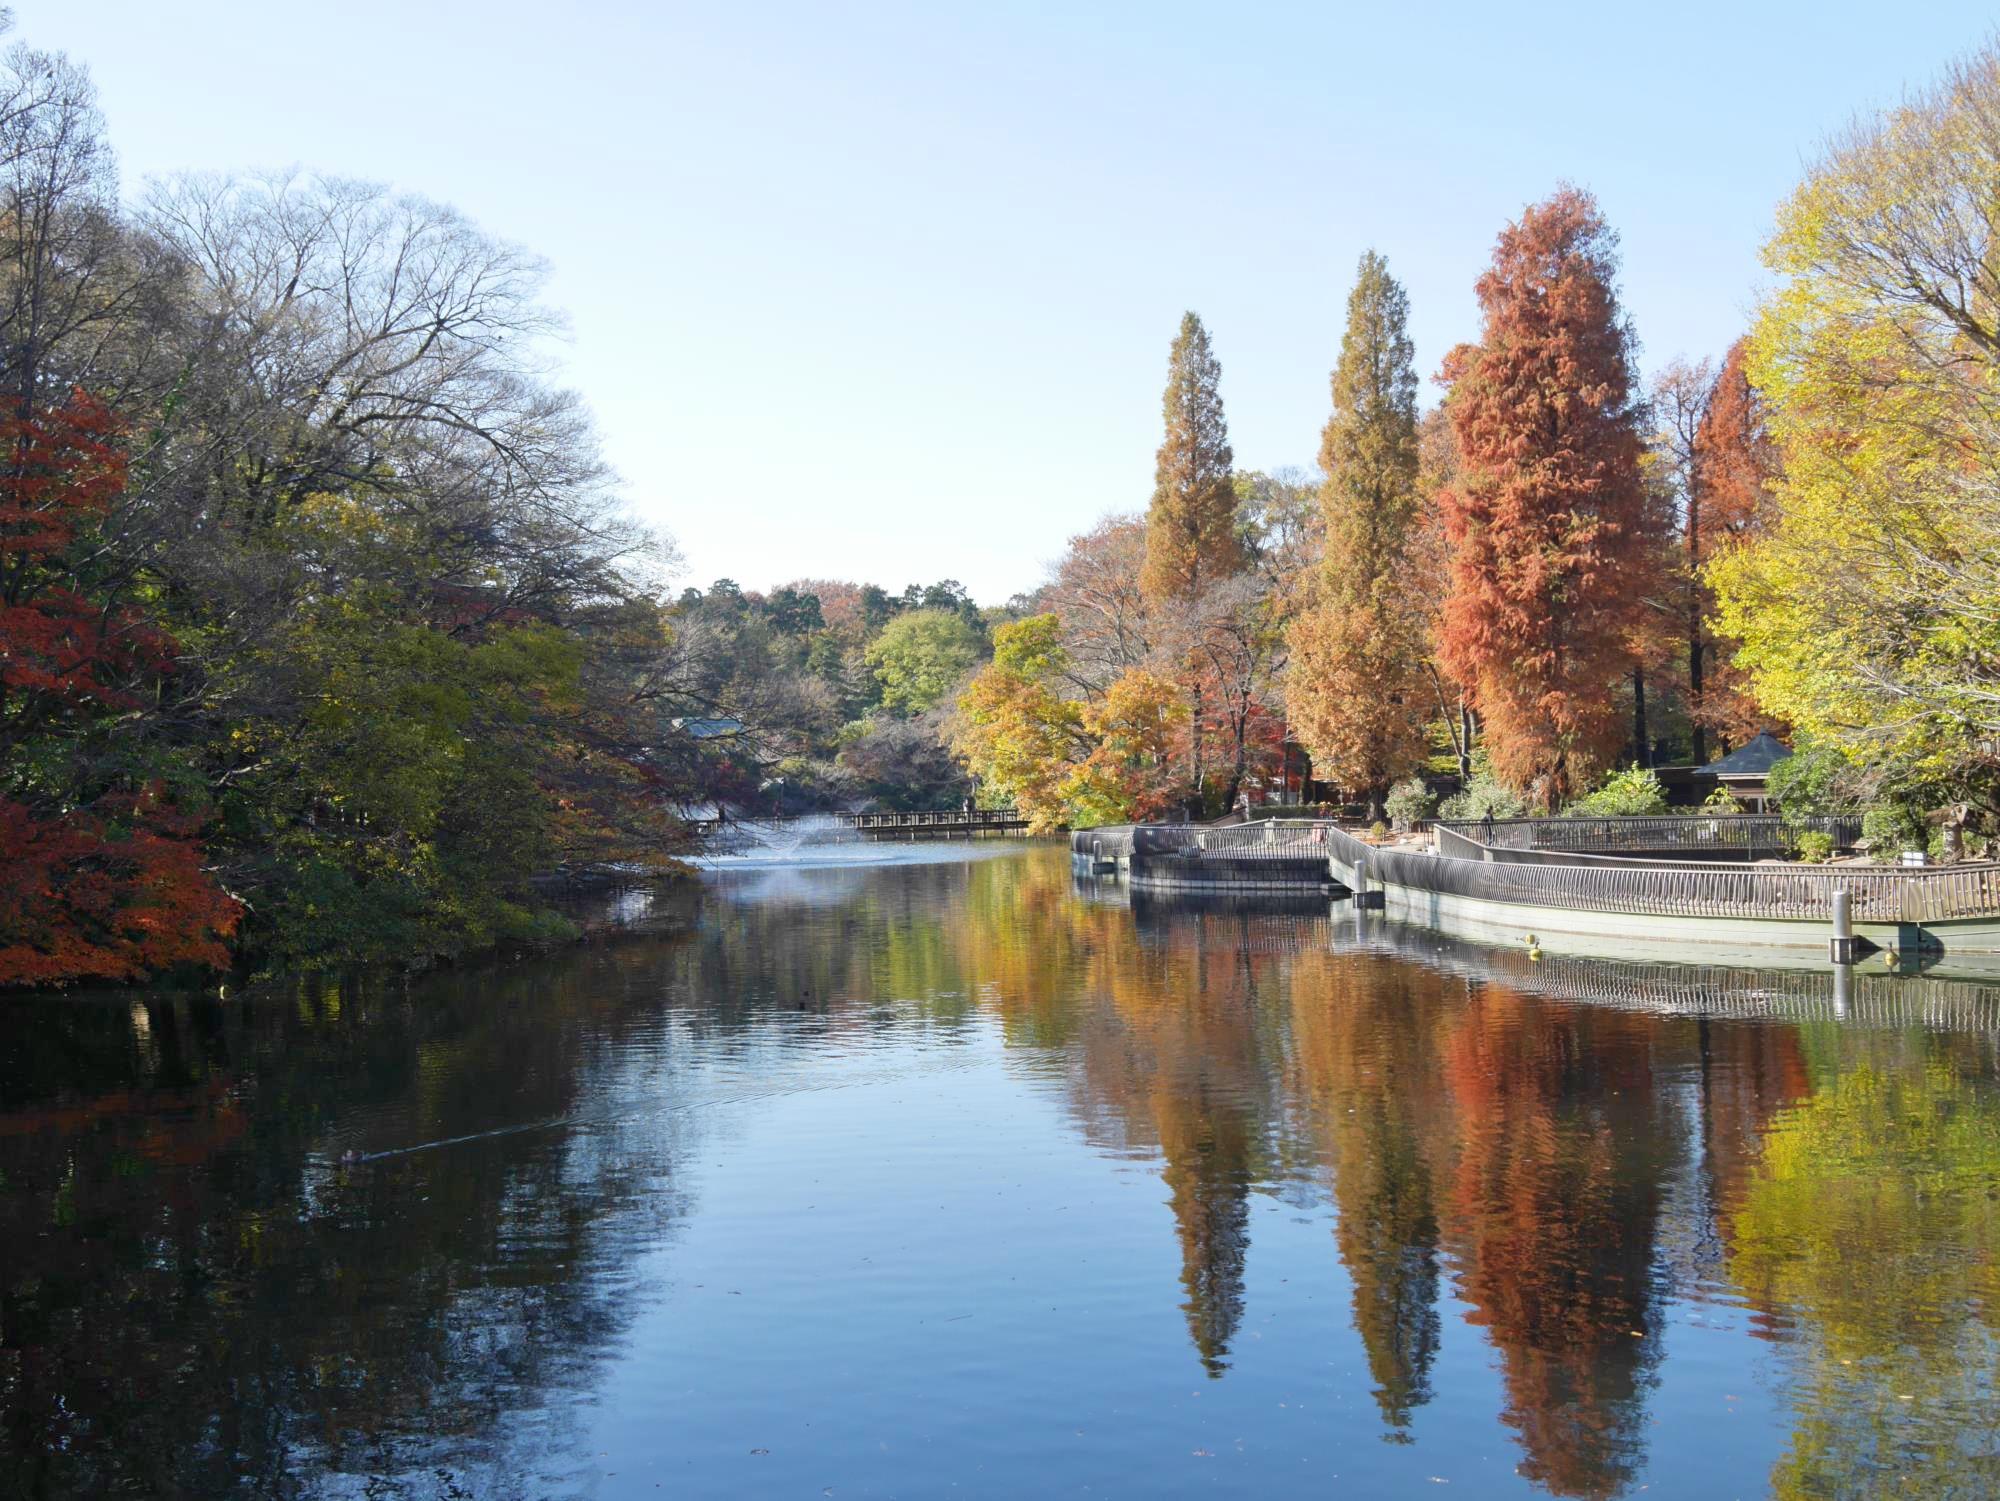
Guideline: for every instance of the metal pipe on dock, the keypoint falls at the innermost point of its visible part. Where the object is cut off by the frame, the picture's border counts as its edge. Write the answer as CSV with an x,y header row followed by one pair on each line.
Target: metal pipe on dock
x,y
1840,947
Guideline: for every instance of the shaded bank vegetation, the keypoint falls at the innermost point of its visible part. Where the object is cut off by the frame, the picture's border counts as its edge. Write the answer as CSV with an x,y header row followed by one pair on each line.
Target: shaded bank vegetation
x,y
321,630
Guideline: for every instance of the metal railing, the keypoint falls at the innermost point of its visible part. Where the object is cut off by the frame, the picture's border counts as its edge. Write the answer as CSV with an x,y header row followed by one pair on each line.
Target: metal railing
x,y
1690,836
1111,841
950,818
1585,880
1266,839
1690,888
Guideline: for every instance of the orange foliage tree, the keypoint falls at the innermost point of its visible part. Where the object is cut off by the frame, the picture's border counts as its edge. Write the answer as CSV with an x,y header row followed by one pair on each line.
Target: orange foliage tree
x,y
1191,539
1555,544
1735,461
1358,694
100,874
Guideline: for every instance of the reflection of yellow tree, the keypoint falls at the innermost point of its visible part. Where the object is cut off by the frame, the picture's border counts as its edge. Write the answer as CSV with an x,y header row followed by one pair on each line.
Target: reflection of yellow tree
x,y
1167,1053
1872,1218
1554,1201
1369,1072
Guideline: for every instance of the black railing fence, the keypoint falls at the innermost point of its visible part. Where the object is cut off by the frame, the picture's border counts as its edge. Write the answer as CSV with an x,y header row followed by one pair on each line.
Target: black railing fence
x,y
1694,836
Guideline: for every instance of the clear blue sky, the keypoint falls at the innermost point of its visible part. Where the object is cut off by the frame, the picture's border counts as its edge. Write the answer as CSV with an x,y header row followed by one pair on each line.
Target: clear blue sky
x,y
885,291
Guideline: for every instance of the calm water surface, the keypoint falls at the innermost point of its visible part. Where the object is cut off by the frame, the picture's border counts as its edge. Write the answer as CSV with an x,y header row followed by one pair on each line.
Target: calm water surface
x,y
948,1178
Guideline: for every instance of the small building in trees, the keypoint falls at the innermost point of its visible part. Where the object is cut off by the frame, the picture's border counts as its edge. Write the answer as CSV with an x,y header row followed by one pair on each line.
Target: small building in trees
x,y
1745,770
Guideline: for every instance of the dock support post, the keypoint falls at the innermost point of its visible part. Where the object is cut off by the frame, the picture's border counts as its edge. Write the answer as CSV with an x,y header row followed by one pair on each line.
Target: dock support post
x,y
1363,897
1841,946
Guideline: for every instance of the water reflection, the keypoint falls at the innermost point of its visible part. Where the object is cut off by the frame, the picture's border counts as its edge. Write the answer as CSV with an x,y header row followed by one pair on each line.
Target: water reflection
x,y
1692,1228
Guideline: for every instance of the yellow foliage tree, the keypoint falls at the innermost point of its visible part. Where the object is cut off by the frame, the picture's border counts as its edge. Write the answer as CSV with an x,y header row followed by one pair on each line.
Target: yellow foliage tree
x,y
1019,734
1128,774
1869,611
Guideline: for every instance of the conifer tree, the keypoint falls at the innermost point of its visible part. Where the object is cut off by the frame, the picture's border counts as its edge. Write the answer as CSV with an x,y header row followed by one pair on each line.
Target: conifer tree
x,y
1357,687
1556,546
1191,539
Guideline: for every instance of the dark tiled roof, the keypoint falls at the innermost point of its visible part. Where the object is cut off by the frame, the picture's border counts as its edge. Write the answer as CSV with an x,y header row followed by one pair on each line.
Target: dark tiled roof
x,y
1752,760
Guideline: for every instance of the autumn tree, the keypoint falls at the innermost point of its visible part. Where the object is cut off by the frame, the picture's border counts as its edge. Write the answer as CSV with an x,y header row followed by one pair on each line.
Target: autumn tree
x,y
1191,538
1020,734
1108,624
1357,695
1711,456
1735,465
101,875
1279,516
1128,774
1227,649
1555,545
1866,605
1430,551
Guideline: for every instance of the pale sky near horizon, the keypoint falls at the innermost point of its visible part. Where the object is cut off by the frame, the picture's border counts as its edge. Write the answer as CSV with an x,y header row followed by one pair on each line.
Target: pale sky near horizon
x,y
884,292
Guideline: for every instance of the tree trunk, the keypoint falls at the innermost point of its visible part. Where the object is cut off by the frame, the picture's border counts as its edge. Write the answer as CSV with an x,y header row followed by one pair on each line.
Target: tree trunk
x,y
1695,648
1194,747
1642,752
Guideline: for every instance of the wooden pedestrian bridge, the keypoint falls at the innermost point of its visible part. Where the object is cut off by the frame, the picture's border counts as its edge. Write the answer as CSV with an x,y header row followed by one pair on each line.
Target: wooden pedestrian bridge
x,y
1646,885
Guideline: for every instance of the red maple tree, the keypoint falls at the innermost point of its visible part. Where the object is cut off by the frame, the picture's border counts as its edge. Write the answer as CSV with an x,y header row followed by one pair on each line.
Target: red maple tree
x,y
1554,544
100,870
1735,460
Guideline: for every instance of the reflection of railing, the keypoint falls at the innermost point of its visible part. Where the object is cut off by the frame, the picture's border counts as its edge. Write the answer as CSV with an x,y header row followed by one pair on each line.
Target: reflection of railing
x,y
1696,990
1690,889
1693,836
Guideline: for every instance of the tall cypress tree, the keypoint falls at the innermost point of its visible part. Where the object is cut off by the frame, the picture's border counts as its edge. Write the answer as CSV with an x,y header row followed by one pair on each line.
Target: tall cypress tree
x,y
1556,548
1191,539
1357,686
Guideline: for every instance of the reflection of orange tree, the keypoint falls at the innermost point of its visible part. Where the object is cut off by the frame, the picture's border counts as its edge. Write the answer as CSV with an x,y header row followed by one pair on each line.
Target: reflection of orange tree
x,y
1553,1205
1369,1073
1183,1053
1871,1219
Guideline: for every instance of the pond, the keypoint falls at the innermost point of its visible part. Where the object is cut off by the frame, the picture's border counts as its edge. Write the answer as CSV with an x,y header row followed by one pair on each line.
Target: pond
x,y
949,1175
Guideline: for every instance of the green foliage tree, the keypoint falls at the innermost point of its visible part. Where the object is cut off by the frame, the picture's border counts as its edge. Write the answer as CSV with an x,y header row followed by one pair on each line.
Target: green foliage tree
x,y
921,656
1630,793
